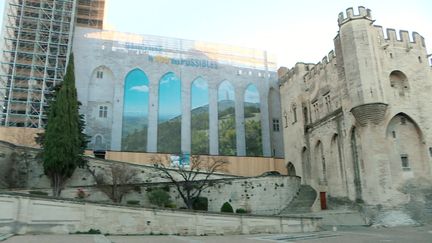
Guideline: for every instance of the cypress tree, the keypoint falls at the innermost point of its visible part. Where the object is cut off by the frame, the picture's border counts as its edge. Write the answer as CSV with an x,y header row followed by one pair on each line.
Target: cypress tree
x,y
64,141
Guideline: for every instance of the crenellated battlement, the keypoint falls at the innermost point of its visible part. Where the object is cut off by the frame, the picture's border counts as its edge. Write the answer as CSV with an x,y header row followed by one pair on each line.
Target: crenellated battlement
x,y
307,70
403,36
363,13
315,69
299,68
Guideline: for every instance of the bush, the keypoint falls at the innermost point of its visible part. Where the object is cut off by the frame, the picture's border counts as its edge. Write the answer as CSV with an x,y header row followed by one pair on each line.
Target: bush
x,y
171,205
159,197
200,203
133,202
227,208
241,210
91,231
41,193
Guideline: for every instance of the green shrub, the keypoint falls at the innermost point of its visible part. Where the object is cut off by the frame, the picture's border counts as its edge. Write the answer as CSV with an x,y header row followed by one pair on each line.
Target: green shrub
x,y
171,205
241,210
227,208
200,203
133,202
91,231
159,197
38,193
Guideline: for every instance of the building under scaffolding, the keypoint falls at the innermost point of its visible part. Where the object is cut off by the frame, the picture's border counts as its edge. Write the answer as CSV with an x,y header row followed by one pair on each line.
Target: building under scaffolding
x,y
36,42
90,13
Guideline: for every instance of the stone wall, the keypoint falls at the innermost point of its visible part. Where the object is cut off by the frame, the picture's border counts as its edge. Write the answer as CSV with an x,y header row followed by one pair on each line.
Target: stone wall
x,y
27,215
260,195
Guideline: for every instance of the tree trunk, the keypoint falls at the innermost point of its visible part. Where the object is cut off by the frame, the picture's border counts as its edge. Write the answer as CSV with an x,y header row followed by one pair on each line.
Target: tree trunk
x,y
57,185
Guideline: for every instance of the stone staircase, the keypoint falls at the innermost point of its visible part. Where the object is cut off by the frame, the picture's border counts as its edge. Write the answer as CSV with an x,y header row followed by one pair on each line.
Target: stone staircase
x,y
301,203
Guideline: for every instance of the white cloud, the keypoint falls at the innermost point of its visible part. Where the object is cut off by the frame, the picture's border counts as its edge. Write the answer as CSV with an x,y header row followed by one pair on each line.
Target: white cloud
x,y
141,88
200,84
252,95
226,91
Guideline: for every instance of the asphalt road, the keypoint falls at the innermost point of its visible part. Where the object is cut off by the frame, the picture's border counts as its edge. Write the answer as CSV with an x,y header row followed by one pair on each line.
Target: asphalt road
x,y
349,234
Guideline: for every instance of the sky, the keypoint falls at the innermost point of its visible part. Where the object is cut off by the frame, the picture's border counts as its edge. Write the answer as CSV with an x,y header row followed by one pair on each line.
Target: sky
x,y
293,31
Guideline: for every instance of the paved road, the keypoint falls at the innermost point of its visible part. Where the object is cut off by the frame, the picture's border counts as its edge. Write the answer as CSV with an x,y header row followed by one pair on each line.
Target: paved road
x,y
350,234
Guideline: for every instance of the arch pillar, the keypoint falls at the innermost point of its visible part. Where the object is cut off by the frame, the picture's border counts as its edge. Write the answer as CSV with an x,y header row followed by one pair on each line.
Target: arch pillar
x,y
213,120
152,132
265,126
117,119
240,123
186,139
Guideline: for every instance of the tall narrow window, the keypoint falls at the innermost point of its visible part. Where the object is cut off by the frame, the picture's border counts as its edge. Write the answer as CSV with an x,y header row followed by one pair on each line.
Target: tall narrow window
x,y
99,74
430,151
170,114
135,111
103,111
328,102
286,119
405,162
316,109
275,125
294,111
252,121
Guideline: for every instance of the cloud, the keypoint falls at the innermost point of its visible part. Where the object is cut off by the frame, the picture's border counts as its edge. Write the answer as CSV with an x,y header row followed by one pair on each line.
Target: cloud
x,y
141,88
226,91
200,84
252,95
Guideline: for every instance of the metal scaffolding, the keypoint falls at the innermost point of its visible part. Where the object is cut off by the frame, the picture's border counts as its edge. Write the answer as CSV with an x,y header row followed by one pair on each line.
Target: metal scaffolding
x,y
90,13
37,42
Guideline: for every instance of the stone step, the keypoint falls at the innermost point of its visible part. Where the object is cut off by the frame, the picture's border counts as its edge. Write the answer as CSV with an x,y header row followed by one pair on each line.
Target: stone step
x,y
5,236
302,202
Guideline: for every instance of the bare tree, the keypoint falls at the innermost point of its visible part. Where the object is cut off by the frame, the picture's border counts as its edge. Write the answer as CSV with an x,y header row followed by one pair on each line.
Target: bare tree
x,y
191,180
116,181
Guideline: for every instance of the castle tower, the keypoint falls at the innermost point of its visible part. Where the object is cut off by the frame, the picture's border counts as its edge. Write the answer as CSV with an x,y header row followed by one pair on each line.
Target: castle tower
x,y
356,49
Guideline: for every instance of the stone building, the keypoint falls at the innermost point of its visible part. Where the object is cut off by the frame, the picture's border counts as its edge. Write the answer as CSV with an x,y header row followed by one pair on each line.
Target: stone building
x,y
143,93
358,124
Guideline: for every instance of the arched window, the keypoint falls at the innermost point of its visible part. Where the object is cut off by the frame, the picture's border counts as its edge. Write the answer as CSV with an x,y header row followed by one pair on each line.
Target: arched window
x,y
98,143
407,147
226,118
306,166
320,159
169,119
291,169
294,111
399,81
305,115
252,116
199,117
135,111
